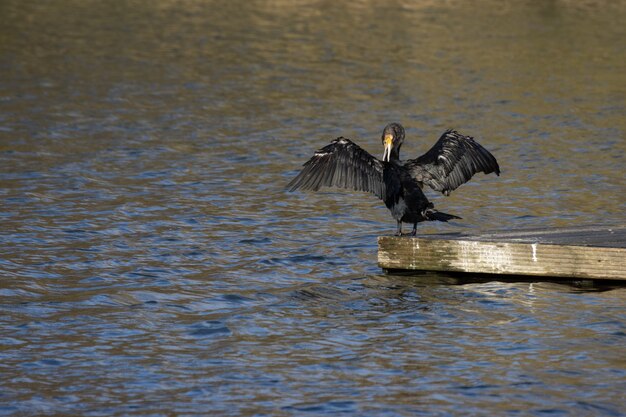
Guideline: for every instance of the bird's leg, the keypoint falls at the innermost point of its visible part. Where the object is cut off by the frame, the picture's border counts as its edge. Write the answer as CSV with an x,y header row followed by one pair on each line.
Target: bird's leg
x,y
399,232
414,232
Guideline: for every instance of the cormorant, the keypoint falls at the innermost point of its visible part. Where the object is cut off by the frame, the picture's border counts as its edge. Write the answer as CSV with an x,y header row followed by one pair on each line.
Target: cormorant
x,y
452,161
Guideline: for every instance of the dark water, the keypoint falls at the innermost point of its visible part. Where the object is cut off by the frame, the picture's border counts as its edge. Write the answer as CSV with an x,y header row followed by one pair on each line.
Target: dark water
x,y
151,262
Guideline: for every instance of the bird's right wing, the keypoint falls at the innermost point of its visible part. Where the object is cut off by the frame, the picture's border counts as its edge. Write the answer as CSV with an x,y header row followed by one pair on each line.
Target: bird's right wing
x,y
452,161
343,164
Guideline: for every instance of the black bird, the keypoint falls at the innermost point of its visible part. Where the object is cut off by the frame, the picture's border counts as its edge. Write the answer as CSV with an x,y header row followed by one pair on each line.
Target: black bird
x,y
452,161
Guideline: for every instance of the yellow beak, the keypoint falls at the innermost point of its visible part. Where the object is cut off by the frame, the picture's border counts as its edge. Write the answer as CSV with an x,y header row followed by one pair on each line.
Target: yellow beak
x,y
388,142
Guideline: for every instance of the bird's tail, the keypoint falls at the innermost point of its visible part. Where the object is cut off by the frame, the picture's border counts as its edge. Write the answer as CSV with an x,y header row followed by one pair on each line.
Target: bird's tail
x,y
439,216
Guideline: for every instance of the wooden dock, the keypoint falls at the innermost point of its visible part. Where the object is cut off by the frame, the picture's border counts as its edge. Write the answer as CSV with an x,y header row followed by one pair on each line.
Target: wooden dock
x,y
593,252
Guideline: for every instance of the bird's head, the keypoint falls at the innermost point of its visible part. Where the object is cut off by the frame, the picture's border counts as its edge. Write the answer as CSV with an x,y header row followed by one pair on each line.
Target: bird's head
x,y
393,136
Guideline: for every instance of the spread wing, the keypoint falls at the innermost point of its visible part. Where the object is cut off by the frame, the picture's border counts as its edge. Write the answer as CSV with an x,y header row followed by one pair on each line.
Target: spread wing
x,y
452,161
343,164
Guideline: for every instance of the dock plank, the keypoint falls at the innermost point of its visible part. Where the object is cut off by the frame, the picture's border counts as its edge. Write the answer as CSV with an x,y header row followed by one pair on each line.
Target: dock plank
x,y
593,252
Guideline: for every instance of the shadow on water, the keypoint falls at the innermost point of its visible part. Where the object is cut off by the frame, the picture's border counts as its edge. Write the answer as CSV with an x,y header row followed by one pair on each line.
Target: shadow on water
x,y
461,278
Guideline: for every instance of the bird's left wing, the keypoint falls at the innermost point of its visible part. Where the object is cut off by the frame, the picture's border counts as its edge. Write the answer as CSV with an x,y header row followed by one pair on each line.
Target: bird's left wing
x,y
343,164
452,161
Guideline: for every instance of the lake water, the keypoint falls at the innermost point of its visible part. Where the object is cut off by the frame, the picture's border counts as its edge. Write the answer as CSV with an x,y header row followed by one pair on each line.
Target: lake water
x,y
151,262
